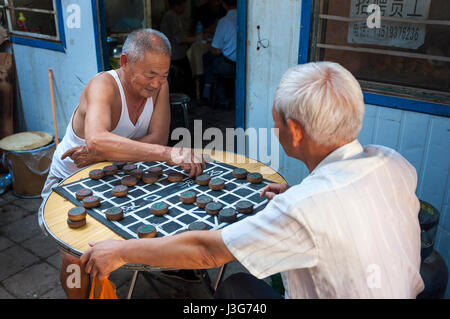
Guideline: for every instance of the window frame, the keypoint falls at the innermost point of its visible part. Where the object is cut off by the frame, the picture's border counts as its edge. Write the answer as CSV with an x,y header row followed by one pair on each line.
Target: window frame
x,y
391,101
57,43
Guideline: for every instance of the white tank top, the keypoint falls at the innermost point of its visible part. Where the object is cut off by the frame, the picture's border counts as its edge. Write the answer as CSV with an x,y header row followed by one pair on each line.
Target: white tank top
x,y
125,128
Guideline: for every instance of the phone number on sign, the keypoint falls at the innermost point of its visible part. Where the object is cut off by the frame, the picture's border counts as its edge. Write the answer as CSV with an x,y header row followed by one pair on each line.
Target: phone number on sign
x,y
404,33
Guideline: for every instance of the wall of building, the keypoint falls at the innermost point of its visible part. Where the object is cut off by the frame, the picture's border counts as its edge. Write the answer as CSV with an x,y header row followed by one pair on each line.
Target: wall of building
x,y
72,71
422,139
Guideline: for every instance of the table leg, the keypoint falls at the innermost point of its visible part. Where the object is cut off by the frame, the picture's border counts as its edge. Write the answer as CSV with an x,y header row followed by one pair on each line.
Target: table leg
x,y
219,277
133,284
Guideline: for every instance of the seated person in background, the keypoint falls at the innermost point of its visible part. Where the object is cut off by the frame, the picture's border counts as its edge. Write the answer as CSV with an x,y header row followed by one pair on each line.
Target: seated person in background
x,y
171,25
221,59
122,115
350,229
208,14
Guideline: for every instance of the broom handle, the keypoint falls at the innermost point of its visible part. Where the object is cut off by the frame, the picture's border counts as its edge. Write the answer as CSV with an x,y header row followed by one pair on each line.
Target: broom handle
x,y
55,125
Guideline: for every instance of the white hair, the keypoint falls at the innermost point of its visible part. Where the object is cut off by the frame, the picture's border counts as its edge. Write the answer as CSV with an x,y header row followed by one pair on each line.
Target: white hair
x,y
142,40
325,99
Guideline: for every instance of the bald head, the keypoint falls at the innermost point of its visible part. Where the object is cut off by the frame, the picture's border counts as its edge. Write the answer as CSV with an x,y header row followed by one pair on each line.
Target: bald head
x,y
141,41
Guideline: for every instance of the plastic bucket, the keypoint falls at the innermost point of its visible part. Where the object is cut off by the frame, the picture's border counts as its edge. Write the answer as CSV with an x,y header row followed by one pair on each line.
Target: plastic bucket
x,y
29,170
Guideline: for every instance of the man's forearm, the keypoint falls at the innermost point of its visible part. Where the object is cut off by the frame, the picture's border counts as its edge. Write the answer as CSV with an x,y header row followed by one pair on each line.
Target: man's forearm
x,y
192,250
153,139
117,148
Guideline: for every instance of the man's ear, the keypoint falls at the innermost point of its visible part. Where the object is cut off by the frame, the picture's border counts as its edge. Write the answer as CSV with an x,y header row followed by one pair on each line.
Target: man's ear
x,y
296,131
123,61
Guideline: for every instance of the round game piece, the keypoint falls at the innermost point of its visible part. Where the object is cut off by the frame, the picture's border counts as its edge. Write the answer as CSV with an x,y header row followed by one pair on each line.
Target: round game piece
x,y
156,170
128,168
137,173
120,165
254,178
120,191
159,209
175,177
146,231
244,207
91,201
77,214
203,200
149,178
114,213
188,197
110,170
82,193
240,173
76,224
227,215
203,180
213,208
129,180
216,184
198,226
96,174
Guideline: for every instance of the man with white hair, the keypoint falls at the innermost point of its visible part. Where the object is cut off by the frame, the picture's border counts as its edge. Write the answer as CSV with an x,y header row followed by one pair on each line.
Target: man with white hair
x,y
349,230
123,115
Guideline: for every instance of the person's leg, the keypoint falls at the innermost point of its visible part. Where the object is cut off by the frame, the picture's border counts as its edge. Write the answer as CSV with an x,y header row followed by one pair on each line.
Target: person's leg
x,y
223,68
245,286
208,74
74,280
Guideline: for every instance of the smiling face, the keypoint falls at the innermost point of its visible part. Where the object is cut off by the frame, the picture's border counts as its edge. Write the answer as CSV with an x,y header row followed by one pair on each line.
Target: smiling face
x,y
147,76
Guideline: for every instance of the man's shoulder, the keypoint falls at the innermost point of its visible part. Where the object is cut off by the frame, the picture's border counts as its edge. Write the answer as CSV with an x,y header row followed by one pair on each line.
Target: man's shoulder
x,y
102,82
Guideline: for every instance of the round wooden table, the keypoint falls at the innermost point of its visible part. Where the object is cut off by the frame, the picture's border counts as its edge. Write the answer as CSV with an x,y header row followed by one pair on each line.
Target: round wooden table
x,y
53,217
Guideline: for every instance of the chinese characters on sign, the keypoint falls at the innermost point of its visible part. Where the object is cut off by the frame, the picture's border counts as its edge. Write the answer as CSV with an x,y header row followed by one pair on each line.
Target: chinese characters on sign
x,y
394,34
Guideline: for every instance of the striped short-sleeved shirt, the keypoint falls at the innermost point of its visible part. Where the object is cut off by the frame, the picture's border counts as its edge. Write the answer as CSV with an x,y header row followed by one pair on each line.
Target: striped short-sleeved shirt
x,y
348,230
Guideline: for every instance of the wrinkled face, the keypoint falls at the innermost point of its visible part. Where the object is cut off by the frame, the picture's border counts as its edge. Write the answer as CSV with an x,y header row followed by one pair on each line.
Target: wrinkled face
x,y
147,76
283,131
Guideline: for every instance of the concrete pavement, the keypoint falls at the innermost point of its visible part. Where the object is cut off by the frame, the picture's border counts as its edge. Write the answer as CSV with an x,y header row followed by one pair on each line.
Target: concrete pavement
x,y
30,261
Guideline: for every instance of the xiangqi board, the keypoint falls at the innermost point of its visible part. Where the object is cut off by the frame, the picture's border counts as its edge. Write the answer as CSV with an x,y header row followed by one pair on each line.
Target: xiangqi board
x,y
136,204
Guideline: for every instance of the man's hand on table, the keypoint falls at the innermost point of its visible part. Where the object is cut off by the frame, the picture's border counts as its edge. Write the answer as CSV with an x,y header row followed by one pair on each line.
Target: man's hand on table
x,y
271,190
184,157
188,160
81,156
103,258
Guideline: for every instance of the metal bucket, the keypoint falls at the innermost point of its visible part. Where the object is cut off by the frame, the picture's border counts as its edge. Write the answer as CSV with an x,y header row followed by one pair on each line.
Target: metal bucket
x,y
29,170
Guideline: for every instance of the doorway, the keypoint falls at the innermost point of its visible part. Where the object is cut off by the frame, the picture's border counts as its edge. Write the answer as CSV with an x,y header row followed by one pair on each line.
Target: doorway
x,y
115,19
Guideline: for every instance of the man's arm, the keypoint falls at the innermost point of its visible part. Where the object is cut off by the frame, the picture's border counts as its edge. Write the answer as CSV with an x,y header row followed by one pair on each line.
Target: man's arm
x,y
97,126
102,144
158,130
190,250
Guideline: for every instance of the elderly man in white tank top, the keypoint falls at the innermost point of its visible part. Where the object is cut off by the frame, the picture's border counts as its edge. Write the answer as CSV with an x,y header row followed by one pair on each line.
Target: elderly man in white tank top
x,y
350,229
123,115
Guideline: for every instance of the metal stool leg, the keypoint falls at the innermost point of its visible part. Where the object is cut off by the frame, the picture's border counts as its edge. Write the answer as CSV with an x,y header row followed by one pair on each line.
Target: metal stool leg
x,y
185,114
133,284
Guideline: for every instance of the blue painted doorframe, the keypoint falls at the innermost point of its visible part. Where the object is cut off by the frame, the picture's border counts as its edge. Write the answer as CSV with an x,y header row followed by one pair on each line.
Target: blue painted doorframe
x,y
101,45
241,63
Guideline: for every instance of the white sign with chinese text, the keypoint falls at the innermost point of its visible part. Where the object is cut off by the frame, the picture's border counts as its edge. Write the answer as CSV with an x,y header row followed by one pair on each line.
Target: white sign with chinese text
x,y
394,34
